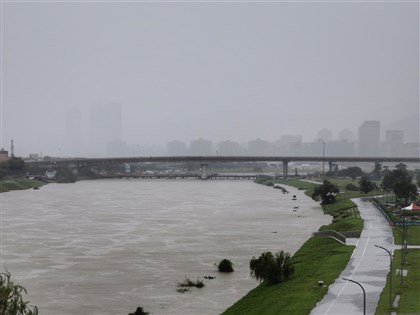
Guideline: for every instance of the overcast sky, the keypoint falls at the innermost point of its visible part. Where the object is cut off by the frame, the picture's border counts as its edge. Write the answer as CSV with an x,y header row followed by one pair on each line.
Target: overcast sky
x,y
216,70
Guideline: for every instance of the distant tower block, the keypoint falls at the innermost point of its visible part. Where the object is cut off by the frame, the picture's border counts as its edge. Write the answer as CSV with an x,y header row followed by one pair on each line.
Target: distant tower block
x,y
12,150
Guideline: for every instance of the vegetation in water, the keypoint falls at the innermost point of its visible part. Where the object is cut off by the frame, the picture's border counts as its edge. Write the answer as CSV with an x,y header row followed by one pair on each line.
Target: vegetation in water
x,y
225,265
189,283
139,311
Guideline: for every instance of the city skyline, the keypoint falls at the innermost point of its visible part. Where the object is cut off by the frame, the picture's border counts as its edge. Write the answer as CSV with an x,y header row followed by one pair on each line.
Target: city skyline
x,y
219,71
105,139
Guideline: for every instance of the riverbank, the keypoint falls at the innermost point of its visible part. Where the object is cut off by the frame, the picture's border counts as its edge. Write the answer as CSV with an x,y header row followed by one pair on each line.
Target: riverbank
x,y
19,184
300,294
319,259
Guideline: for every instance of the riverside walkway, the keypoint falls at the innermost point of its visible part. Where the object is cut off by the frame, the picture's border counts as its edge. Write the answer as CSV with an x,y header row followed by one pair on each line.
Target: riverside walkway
x,y
368,265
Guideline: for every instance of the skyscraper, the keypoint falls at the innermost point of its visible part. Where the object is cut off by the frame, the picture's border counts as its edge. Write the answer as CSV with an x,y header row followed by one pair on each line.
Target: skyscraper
x,y
176,148
394,143
105,127
73,140
200,147
369,138
229,148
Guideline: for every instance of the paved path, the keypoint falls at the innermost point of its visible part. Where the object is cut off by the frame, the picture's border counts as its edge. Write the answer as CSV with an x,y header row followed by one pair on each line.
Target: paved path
x,y
368,265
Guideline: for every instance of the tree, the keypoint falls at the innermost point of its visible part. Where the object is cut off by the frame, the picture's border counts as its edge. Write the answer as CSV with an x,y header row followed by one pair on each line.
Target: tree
x,y
399,175
376,173
406,191
11,301
400,182
325,192
366,185
16,163
354,172
272,269
417,176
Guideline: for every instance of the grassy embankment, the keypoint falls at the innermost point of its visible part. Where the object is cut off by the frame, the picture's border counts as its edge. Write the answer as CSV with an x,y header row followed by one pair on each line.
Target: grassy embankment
x,y
19,184
317,259
409,302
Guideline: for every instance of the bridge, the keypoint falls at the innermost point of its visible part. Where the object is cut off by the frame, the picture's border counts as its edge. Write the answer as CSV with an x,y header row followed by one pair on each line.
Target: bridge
x,y
77,163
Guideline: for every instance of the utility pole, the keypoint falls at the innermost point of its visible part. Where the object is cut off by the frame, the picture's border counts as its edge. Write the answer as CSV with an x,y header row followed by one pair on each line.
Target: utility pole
x,y
12,150
323,161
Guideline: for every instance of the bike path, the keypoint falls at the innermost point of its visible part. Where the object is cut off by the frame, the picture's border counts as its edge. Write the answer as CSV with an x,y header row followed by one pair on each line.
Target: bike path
x,y
368,265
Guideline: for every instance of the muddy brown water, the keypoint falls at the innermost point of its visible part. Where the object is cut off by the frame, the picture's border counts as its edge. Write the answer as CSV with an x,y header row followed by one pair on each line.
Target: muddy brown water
x,y
108,246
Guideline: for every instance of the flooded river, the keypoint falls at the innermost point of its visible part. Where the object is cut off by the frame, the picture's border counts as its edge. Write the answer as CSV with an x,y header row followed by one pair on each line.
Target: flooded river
x,y
108,246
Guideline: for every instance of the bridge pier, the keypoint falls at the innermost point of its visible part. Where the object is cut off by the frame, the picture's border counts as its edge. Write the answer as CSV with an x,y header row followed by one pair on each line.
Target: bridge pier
x,y
204,168
74,169
285,169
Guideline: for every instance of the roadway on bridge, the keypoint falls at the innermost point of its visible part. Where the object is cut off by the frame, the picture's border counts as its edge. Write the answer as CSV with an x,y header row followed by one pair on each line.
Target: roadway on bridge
x,y
368,265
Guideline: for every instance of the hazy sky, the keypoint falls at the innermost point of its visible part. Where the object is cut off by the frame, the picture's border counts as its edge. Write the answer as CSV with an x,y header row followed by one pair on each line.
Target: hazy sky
x,y
217,70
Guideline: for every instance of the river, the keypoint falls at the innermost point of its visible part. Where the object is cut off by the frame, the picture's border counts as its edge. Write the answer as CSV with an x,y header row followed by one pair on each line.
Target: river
x,y
108,246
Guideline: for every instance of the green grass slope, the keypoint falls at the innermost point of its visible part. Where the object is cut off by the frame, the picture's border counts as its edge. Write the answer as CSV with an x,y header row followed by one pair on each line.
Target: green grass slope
x,y
317,259
19,184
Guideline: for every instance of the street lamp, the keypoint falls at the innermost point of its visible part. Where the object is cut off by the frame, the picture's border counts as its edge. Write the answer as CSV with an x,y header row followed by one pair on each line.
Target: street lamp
x,y
323,161
390,274
402,254
364,293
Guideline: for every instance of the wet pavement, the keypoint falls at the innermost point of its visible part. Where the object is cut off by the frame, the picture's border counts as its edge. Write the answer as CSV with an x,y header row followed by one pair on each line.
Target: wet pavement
x,y
368,266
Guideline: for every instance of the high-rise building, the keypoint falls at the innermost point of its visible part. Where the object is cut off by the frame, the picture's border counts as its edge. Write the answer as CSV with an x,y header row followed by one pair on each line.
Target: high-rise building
x,y
259,147
288,145
73,141
105,127
394,143
345,135
229,148
369,138
325,135
176,148
200,147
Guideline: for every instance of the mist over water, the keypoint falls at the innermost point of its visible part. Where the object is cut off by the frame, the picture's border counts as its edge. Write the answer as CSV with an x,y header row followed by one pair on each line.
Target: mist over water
x,y
108,246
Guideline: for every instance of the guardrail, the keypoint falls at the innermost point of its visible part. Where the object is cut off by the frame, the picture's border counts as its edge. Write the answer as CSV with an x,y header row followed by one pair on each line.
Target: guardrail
x,y
331,233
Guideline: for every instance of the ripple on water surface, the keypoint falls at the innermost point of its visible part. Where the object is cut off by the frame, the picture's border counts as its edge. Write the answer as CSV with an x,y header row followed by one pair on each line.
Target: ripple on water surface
x,y
106,247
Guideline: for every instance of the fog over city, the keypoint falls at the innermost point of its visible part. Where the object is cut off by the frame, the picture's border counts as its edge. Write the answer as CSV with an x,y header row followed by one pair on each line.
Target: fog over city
x,y
127,78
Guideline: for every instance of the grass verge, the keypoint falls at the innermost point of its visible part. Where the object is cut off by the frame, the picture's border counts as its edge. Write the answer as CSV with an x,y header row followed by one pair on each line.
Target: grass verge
x,y
413,235
317,259
19,184
409,292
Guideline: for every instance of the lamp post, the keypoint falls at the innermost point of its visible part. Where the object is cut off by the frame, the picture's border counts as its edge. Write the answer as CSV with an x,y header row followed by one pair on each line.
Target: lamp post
x,y
364,293
390,274
402,254
323,161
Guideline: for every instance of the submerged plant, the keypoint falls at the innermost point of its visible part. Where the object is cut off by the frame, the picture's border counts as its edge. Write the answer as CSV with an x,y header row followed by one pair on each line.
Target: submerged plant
x,y
189,283
225,265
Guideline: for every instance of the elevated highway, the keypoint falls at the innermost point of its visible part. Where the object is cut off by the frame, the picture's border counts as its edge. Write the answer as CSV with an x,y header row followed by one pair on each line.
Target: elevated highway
x,y
76,163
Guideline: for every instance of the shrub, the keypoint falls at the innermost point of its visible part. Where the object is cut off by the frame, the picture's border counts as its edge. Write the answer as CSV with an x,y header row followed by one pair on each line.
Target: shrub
x,y
189,283
352,187
225,265
11,302
272,269
325,192
139,311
